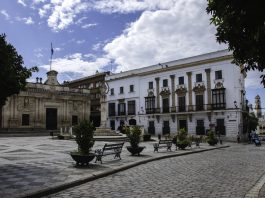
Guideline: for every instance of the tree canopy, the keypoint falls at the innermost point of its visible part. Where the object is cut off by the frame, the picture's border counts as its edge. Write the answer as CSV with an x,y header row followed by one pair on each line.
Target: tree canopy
x,y
241,25
13,74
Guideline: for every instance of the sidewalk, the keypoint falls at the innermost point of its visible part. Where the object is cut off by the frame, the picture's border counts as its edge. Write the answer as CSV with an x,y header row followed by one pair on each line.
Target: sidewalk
x,y
36,166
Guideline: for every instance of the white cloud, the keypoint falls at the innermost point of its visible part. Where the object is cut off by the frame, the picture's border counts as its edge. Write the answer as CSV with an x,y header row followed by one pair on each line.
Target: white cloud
x,y
76,63
44,10
121,6
97,46
253,80
26,20
164,35
22,2
86,26
5,14
80,41
62,13
81,20
57,49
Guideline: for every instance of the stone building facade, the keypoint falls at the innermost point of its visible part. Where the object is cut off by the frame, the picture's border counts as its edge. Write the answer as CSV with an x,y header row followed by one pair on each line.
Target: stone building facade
x,y
93,83
46,106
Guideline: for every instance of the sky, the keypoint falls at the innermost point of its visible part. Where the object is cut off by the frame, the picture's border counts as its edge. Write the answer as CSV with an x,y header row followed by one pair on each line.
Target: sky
x,y
110,35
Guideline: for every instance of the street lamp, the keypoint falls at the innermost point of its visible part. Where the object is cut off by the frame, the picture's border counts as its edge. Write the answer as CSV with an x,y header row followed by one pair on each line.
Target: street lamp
x,y
235,103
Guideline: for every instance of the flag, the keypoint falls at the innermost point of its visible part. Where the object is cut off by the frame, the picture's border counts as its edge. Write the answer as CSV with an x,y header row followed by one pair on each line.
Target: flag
x,y
51,49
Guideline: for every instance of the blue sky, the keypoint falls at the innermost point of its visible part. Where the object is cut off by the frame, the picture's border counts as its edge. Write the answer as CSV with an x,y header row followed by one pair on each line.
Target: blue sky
x,y
117,35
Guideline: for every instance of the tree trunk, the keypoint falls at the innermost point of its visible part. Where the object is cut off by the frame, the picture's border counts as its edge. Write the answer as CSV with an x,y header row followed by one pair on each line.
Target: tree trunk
x,y
1,107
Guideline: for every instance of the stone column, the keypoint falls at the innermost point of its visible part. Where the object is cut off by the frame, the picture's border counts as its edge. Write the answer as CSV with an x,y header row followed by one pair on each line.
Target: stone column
x,y
208,82
157,93
189,90
173,109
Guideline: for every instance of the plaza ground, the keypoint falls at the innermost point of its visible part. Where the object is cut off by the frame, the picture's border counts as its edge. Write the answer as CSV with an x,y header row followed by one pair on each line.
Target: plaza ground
x,y
29,165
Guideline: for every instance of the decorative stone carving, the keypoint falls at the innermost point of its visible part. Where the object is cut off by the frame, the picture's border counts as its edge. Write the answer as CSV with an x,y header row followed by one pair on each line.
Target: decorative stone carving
x,y
219,85
150,93
165,92
181,90
199,88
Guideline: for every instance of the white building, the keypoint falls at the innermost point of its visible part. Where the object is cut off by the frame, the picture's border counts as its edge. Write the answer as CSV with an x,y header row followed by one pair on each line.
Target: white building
x,y
196,93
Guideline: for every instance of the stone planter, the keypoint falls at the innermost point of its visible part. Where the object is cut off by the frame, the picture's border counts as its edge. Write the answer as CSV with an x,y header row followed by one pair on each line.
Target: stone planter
x,y
182,146
212,142
81,159
135,150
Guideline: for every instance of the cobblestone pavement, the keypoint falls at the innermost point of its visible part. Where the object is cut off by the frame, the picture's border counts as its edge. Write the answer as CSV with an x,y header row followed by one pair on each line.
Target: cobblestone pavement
x,y
32,164
229,172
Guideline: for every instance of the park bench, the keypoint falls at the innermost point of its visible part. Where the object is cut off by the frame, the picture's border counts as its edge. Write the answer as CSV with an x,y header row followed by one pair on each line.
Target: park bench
x,y
163,144
109,149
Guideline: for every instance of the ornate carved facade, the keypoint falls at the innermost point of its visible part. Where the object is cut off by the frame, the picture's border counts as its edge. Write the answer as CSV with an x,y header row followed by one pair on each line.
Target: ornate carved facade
x,y
46,106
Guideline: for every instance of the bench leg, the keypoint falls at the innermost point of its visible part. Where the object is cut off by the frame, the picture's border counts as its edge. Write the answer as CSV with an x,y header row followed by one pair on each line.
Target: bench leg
x,y
169,148
118,155
155,149
98,158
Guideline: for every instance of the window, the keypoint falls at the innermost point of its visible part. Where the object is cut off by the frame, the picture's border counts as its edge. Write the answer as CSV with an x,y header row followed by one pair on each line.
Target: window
x,y
25,119
181,80
199,102
182,103
150,105
121,90
166,127
111,109
112,91
121,109
218,75
198,77
165,105
131,107
74,120
165,83
150,85
131,88
151,127
218,98
200,129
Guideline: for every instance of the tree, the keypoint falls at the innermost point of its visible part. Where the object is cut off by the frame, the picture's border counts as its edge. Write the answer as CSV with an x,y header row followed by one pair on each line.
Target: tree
x,y
253,122
241,25
12,73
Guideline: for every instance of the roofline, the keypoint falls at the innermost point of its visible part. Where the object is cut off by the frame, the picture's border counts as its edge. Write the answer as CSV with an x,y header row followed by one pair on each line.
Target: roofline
x,y
88,77
176,64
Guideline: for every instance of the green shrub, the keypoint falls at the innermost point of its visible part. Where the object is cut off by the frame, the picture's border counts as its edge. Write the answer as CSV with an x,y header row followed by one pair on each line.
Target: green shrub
x,y
211,138
134,135
84,133
182,139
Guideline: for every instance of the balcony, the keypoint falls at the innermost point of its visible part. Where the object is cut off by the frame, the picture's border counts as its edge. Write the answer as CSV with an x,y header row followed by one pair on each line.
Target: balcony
x,y
187,108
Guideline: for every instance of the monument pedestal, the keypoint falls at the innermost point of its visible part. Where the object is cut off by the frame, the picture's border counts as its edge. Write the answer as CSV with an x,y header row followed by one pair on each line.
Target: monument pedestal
x,y
105,131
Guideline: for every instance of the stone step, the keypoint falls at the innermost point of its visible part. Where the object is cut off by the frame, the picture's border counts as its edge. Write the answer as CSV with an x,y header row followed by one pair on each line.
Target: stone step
x,y
26,132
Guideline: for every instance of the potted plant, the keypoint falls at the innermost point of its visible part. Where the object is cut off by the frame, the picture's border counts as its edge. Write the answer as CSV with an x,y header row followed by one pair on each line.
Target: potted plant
x,y
84,132
182,139
197,139
211,138
134,135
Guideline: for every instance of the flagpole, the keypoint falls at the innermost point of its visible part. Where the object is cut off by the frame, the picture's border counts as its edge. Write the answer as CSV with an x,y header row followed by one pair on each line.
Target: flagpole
x,y
51,57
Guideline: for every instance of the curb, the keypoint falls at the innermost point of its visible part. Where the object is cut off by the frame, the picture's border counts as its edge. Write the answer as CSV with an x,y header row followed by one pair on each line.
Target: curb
x,y
254,192
55,189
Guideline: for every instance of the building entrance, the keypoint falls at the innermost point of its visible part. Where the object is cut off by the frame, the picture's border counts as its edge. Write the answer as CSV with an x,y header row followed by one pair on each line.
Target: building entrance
x,y
51,118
